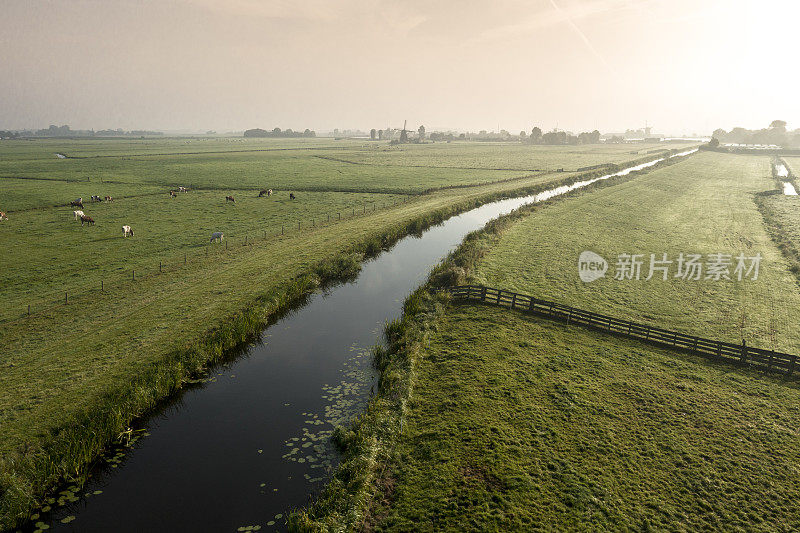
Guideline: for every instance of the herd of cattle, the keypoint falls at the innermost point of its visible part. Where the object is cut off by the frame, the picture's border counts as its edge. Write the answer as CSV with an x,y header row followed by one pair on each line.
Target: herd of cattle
x,y
127,230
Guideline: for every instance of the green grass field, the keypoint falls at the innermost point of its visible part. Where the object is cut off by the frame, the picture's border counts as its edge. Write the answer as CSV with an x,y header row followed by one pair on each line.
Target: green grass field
x,y
66,383
704,205
521,424
505,155
517,423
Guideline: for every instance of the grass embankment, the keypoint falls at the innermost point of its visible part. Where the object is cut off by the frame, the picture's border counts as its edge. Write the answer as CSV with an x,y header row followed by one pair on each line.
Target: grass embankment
x,y
492,420
74,376
793,164
782,216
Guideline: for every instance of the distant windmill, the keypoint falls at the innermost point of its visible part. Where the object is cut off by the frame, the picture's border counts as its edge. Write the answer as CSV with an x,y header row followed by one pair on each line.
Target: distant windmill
x,y
404,133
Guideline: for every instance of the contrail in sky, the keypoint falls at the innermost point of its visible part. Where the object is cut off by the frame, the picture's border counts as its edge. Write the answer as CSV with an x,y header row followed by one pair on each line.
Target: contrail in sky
x,y
583,37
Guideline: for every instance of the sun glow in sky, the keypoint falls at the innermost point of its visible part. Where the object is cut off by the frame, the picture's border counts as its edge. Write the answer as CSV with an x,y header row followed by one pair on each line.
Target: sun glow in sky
x,y
681,65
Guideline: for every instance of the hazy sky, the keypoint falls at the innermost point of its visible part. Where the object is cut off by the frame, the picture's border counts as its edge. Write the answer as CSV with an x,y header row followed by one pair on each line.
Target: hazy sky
x,y
681,65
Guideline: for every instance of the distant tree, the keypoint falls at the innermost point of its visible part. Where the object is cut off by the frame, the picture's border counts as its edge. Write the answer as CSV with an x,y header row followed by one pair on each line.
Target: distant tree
x,y
536,134
462,136
373,134
778,125
714,142
522,135
719,133
421,132
380,135
256,132
276,131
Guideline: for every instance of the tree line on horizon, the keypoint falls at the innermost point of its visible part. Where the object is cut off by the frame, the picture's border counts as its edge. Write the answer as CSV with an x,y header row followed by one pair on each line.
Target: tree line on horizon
x,y
536,136
776,134
277,132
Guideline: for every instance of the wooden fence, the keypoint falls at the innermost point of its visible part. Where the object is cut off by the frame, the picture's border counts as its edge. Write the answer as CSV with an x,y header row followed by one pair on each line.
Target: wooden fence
x,y
740,354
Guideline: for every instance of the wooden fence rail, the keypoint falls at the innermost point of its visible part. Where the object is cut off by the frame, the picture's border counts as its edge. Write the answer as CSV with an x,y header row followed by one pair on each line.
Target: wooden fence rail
x,y
768,360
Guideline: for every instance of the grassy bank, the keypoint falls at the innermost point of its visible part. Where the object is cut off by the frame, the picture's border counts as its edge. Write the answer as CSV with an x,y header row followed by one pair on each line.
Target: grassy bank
x,y
781,217
491,420
66,389
368,444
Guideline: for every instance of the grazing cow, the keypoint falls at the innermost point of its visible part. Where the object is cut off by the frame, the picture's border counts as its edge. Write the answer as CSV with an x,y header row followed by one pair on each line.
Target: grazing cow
x,y
217,236
77,203
262,192
109,199
182,189
78,213
230,199
126,230
3,216
172,194
292,196
96,198
88,220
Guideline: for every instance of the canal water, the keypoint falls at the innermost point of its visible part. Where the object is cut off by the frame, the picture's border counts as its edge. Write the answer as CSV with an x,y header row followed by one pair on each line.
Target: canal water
x,y
251,442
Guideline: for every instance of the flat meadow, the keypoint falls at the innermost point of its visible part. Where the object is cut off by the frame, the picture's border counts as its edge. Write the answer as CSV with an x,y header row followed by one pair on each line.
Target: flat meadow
x,y
513,422
74,374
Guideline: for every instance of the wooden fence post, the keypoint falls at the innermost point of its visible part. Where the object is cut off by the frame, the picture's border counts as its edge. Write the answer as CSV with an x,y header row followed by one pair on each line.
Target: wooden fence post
x,y
185,258
102,286
134,275
791,365
66,298
483,294
744,352
514,300
771,357
281,229
160,266
29,309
